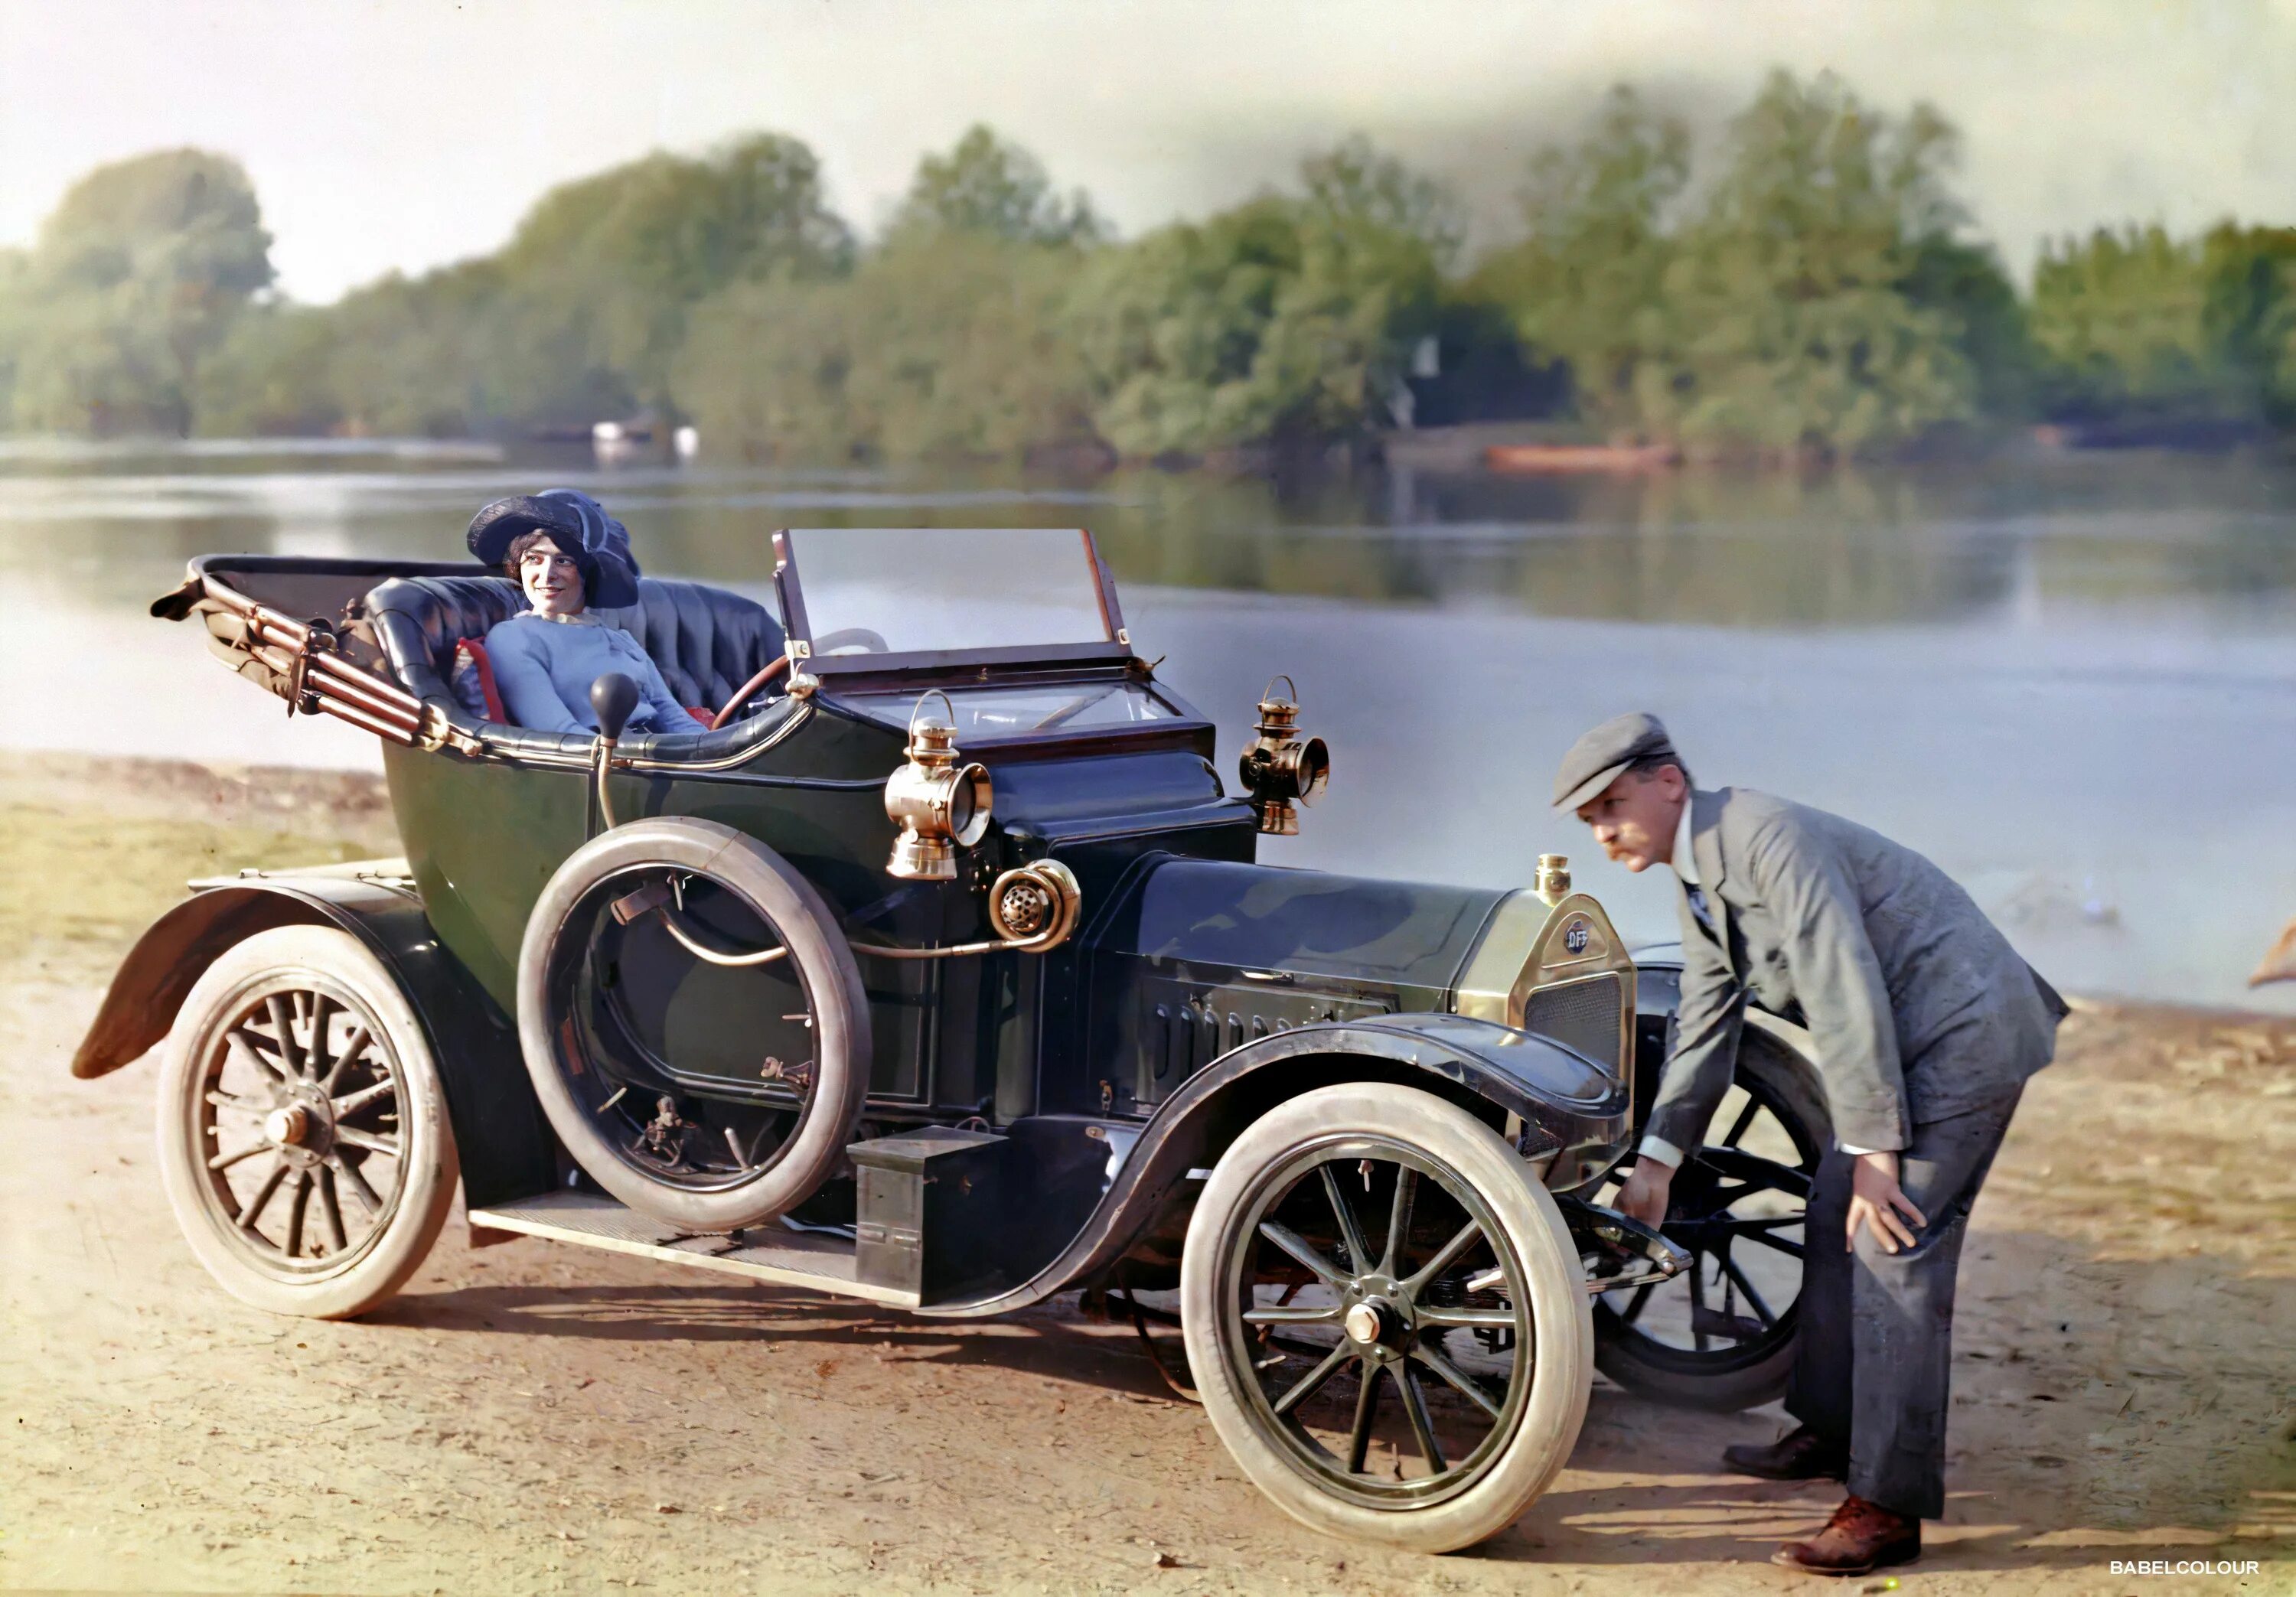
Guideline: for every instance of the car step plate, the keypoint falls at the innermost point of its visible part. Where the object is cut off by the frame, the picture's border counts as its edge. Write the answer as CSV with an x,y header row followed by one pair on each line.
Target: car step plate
x,y
769,1252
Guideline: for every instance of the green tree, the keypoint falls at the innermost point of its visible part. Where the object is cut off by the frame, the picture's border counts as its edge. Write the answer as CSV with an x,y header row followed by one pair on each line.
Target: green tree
x,y
1794,328
2120,319
602,272
1585,284
1355,189
942,346
135,278
1286,321
2133,323
987,186
273,376
2247,313
1965,281
582,315
945,342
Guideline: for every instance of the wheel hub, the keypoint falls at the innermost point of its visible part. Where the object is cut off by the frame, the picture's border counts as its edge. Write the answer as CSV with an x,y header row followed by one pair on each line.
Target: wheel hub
x,y
1377,1326
300,1127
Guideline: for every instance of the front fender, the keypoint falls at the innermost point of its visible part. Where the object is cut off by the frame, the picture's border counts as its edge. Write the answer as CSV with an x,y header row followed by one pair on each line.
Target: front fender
x,y
1565,1104
504,1142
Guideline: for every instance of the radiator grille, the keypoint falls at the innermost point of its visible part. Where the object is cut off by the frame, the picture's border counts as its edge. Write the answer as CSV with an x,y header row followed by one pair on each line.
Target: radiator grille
x,y
1583,1015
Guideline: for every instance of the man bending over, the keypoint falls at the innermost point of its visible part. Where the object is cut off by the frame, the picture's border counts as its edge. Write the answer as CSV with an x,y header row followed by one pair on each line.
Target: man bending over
x,y
1926,1025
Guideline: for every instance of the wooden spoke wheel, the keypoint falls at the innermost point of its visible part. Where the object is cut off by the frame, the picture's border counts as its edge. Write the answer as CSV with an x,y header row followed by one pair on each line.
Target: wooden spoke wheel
x,y
303,1134
1386,1318
1722,1334
693,1023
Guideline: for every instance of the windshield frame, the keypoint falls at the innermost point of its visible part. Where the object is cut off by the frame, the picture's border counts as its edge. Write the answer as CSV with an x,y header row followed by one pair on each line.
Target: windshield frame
x,y
1114,647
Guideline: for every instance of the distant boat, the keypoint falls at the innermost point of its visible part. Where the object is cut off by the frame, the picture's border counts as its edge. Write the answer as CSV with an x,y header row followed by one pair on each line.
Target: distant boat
x,y
615,442
642,439
1580,457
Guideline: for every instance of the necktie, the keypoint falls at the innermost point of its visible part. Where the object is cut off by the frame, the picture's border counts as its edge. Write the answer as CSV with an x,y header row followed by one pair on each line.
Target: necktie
x,y
1698,906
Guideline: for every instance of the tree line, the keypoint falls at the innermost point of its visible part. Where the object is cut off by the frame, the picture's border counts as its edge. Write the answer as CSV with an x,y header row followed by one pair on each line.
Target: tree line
x,y
1806,285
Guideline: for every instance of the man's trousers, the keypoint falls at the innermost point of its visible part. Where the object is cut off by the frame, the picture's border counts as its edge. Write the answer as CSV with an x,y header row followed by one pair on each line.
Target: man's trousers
x,y
1875,1360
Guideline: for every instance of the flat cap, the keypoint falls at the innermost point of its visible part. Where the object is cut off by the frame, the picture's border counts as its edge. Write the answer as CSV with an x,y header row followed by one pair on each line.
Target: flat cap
x,y
1596,760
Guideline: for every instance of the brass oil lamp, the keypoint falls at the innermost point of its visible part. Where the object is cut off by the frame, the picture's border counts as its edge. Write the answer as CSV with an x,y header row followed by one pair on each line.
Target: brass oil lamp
x,y
938,804
1283,770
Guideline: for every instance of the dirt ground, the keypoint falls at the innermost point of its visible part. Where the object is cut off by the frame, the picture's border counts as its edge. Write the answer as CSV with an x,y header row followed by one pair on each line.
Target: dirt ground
x,y
533,1417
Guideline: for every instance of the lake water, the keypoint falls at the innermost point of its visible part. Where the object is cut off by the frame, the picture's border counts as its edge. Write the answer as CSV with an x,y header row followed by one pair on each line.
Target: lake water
x,y
2071,681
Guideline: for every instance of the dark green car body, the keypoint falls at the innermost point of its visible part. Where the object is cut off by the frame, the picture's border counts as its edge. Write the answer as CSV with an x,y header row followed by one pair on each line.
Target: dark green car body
x,y
1201,986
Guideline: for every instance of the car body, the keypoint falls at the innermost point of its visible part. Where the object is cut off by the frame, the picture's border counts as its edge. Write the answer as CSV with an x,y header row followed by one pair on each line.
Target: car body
x,y
920,1095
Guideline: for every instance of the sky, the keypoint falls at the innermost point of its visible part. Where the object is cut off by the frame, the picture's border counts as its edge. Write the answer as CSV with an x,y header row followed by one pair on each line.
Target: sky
x,y
401,135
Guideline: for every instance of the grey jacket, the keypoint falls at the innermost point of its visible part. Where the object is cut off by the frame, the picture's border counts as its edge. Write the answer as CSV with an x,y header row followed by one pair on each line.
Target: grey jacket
x,y
1918,1006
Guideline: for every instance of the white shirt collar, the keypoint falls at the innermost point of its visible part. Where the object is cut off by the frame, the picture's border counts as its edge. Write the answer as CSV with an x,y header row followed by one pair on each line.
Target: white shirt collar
x,y
1686,864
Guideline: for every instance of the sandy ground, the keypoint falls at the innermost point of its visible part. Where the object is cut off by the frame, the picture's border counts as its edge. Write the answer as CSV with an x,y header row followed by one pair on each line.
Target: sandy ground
x,y
531,1418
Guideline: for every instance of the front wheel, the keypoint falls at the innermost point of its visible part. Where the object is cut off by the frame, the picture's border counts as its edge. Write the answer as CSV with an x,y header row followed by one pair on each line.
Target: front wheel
x,y
1386,1318
304,1140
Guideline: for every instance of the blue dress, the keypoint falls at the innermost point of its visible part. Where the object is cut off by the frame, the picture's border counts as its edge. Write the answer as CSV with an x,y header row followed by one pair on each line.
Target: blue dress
x,y
543,666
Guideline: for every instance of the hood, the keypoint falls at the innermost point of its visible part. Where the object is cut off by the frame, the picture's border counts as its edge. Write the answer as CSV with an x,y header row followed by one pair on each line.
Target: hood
x,y
1217,917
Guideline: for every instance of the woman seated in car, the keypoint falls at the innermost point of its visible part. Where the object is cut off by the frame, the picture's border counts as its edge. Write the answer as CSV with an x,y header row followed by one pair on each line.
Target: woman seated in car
x,y
568,556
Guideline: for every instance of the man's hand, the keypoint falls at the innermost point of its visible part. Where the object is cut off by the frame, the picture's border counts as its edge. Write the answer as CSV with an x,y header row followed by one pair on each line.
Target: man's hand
x,y
1875,1200
1644,1197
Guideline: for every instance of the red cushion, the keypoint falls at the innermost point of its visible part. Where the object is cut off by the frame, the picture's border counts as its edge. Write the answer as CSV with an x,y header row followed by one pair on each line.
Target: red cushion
x,y
474,651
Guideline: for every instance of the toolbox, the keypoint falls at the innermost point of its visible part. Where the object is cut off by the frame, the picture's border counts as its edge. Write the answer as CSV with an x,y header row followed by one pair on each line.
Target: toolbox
x,y
930,1209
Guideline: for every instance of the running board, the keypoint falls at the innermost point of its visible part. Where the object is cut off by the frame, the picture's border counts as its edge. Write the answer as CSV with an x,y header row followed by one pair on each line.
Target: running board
x,y
768,1253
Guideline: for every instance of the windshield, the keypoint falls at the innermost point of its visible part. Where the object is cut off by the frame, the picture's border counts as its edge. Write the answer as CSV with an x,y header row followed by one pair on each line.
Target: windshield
x,y
905,590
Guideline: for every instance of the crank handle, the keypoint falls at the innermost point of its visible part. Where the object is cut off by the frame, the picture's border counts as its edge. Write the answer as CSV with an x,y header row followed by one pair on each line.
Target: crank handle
x,y
1638,1256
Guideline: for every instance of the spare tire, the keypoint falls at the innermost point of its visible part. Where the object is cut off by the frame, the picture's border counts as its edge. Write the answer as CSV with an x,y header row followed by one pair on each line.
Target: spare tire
x,y
705,1154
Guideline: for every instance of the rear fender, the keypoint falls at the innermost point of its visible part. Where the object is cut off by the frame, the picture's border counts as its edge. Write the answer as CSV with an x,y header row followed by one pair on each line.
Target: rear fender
x,y
504,1142
1555,1102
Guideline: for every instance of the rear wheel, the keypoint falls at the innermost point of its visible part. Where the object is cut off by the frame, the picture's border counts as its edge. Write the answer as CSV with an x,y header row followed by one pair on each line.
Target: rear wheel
x,y
1722,1335
304,1140
1386,1318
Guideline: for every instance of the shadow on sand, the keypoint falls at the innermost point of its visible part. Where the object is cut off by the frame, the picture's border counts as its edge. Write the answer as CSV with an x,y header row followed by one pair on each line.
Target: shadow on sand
x,y
1641,1488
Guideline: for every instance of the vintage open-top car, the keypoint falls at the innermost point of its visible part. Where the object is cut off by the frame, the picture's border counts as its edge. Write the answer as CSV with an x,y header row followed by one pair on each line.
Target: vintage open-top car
x,y
942,974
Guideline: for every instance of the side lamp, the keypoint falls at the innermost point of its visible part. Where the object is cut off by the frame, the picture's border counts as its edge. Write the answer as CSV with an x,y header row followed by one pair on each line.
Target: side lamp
x,y
938,804
1282,771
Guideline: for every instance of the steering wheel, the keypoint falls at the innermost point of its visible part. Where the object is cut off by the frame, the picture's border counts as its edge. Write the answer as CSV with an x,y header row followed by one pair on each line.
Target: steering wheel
x,y
853,637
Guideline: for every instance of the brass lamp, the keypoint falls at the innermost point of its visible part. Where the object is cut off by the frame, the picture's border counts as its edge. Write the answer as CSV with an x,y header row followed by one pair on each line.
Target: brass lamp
x,y
1284,772
937,803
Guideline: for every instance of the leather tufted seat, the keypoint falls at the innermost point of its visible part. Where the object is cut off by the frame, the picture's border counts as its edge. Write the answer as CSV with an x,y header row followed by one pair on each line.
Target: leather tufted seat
x,y
707,642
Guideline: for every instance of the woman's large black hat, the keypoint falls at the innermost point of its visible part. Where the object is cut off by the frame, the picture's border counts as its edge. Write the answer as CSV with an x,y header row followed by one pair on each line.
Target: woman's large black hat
x,y
578,525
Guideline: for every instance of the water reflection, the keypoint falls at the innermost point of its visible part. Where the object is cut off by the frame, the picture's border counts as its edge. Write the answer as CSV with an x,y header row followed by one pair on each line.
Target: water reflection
x,y
2211,540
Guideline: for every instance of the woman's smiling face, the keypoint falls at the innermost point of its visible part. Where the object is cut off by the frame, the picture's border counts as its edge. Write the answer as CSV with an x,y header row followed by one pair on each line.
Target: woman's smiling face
x,y
551,580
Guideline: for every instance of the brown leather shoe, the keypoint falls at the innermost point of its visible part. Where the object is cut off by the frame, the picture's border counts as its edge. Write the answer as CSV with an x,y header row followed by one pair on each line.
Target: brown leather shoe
x,y
1861,1537
1800,1455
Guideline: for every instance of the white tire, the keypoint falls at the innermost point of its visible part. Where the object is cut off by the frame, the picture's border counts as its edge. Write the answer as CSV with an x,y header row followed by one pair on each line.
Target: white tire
x,y
586,1090
304,1138
1390,1312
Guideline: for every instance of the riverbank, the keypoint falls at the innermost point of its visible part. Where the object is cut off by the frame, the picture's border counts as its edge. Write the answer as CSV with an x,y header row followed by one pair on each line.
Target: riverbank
x,y
528,1419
